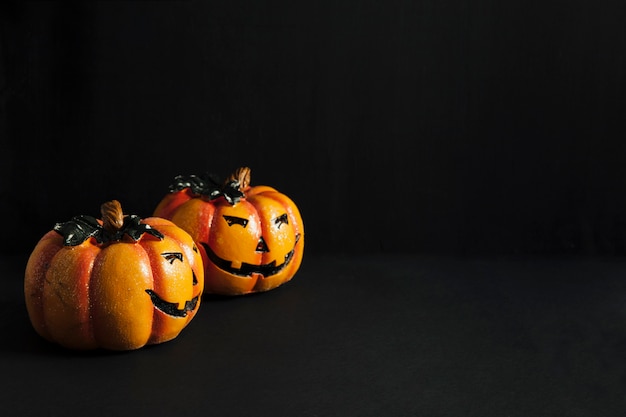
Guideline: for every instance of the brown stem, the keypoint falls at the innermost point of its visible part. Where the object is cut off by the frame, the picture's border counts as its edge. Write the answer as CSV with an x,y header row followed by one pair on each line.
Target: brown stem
x,y
242,175
112,216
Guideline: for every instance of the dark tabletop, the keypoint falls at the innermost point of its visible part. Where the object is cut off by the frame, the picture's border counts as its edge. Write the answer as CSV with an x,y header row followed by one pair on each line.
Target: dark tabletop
x,y
355,336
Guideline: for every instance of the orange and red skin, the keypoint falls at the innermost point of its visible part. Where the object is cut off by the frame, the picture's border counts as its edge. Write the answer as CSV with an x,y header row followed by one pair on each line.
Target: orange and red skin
x,y
93,295
201,218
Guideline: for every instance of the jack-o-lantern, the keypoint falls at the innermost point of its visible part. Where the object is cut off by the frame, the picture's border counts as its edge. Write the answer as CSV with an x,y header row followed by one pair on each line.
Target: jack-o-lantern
x,y
119,283
251,237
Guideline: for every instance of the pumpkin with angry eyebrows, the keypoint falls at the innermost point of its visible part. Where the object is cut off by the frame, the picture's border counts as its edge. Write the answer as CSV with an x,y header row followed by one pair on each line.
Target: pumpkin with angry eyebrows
x,y
118,283
251,237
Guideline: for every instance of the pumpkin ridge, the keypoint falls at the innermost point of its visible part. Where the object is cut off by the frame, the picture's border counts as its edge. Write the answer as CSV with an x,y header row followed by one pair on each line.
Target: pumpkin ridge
x,y
35,275
65,297
84,280
112,327
207,214
47,283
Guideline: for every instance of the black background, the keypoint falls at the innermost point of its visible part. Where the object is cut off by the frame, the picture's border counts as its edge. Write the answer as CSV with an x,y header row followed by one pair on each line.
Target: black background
x,y
414,126
460,167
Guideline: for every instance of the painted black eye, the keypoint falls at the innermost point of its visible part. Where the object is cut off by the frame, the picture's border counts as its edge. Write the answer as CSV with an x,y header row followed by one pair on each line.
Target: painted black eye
x,y
280,220
172,256
236,220
195,248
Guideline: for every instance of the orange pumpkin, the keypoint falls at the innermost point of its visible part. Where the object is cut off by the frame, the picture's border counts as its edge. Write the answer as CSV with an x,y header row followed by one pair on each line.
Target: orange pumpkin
x,y
251,238
118,283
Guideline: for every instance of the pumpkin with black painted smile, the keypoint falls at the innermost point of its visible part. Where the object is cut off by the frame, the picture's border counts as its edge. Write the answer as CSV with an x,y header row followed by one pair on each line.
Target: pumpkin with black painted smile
x,y
118,283
251,237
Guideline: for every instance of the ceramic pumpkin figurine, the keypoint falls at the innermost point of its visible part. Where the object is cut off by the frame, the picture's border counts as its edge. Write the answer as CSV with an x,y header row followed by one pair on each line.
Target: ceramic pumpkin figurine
x,y
251,238
118,283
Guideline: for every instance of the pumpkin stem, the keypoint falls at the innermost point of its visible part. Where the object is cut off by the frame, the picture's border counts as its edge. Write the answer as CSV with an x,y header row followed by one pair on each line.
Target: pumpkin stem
x,y
242,176
112,216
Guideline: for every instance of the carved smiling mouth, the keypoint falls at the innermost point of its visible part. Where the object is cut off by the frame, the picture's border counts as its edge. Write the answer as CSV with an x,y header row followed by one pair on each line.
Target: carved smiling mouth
x,y
247,269
172,309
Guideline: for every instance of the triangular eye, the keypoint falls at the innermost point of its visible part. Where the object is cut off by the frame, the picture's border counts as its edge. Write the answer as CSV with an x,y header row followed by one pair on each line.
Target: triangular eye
x,y
236,220
280,220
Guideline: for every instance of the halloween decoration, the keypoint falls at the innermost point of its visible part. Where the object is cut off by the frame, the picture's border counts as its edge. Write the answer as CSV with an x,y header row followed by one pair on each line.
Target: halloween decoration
x,y
251,238
118,283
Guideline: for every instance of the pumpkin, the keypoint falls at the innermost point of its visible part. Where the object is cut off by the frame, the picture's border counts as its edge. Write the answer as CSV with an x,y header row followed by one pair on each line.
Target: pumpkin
x,y
119,283
251,237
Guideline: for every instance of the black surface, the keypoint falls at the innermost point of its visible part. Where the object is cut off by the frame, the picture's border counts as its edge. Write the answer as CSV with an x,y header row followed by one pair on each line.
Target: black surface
x,y
355,336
